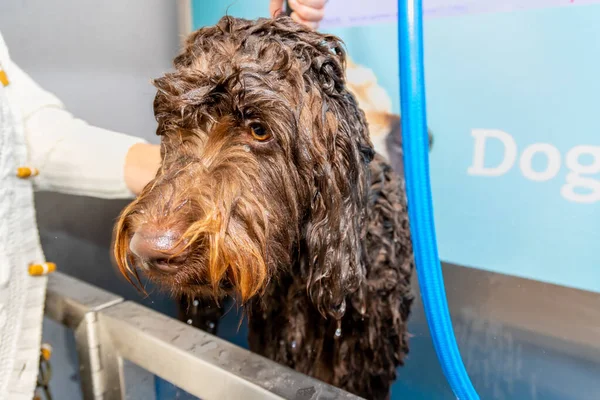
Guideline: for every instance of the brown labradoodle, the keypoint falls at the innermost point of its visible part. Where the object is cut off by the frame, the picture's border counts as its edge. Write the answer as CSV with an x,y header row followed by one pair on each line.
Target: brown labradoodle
x,y
270,192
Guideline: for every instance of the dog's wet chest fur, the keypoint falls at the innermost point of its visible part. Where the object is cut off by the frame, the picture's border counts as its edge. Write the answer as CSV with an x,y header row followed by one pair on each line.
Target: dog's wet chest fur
x,y
286,327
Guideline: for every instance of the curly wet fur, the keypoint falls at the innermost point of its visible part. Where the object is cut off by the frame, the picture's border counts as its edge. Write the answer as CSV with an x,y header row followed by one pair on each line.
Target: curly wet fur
x,y
306,225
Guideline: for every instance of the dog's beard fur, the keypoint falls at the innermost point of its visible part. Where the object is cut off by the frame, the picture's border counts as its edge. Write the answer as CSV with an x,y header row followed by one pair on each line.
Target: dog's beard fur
x,y
232,223
248,206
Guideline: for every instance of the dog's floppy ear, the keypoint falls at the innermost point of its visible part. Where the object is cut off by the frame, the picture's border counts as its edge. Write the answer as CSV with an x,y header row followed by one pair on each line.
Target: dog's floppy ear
x,y
341,152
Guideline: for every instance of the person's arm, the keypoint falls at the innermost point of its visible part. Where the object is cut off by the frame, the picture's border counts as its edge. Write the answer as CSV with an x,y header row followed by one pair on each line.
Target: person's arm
x,y
74,157
307,12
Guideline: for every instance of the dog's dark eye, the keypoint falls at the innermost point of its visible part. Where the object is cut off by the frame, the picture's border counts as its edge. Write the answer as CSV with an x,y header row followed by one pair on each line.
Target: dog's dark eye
x,y
259,132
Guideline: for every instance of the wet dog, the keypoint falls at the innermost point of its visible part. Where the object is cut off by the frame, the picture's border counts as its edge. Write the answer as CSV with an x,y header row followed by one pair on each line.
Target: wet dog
x,y
270,191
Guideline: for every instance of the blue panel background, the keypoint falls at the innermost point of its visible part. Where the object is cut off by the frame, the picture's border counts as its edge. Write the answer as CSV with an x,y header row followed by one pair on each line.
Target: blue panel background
x,y
532,74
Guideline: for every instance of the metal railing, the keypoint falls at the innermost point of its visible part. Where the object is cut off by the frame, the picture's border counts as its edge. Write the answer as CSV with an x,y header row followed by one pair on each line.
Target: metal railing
x,y
121,345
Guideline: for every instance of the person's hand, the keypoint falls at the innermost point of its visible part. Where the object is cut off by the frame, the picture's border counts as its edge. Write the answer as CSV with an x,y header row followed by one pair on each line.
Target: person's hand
x,y
307,12
141,164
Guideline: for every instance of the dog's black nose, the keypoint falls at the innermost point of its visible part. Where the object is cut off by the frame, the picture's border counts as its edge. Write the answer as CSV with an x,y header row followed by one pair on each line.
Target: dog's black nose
x,y
159,249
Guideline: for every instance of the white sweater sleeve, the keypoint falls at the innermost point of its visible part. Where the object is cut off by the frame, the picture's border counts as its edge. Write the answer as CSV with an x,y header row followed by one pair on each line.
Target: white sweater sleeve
x,y
71,156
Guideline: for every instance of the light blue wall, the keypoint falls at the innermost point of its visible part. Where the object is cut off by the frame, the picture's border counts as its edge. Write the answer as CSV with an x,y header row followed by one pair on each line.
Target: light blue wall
x,y
533,75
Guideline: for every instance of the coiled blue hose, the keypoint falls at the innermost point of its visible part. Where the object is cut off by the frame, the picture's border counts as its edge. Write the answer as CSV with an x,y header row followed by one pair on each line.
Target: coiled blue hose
x,y
415,144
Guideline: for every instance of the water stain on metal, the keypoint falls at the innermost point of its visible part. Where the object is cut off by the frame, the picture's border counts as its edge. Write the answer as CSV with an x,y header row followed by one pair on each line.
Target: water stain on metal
x,y
305,393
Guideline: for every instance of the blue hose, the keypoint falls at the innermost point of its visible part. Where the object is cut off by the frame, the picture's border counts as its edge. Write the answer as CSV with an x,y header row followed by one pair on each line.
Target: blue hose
x,y
415,146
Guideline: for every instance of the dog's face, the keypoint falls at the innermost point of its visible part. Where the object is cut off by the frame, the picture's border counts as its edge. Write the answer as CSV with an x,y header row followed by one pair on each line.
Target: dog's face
x,y
264,156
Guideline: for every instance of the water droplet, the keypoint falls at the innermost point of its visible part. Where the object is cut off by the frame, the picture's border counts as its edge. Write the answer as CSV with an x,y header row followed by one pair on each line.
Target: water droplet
x,y
293,344
338,331
189,321
247,148
211,325
195,303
